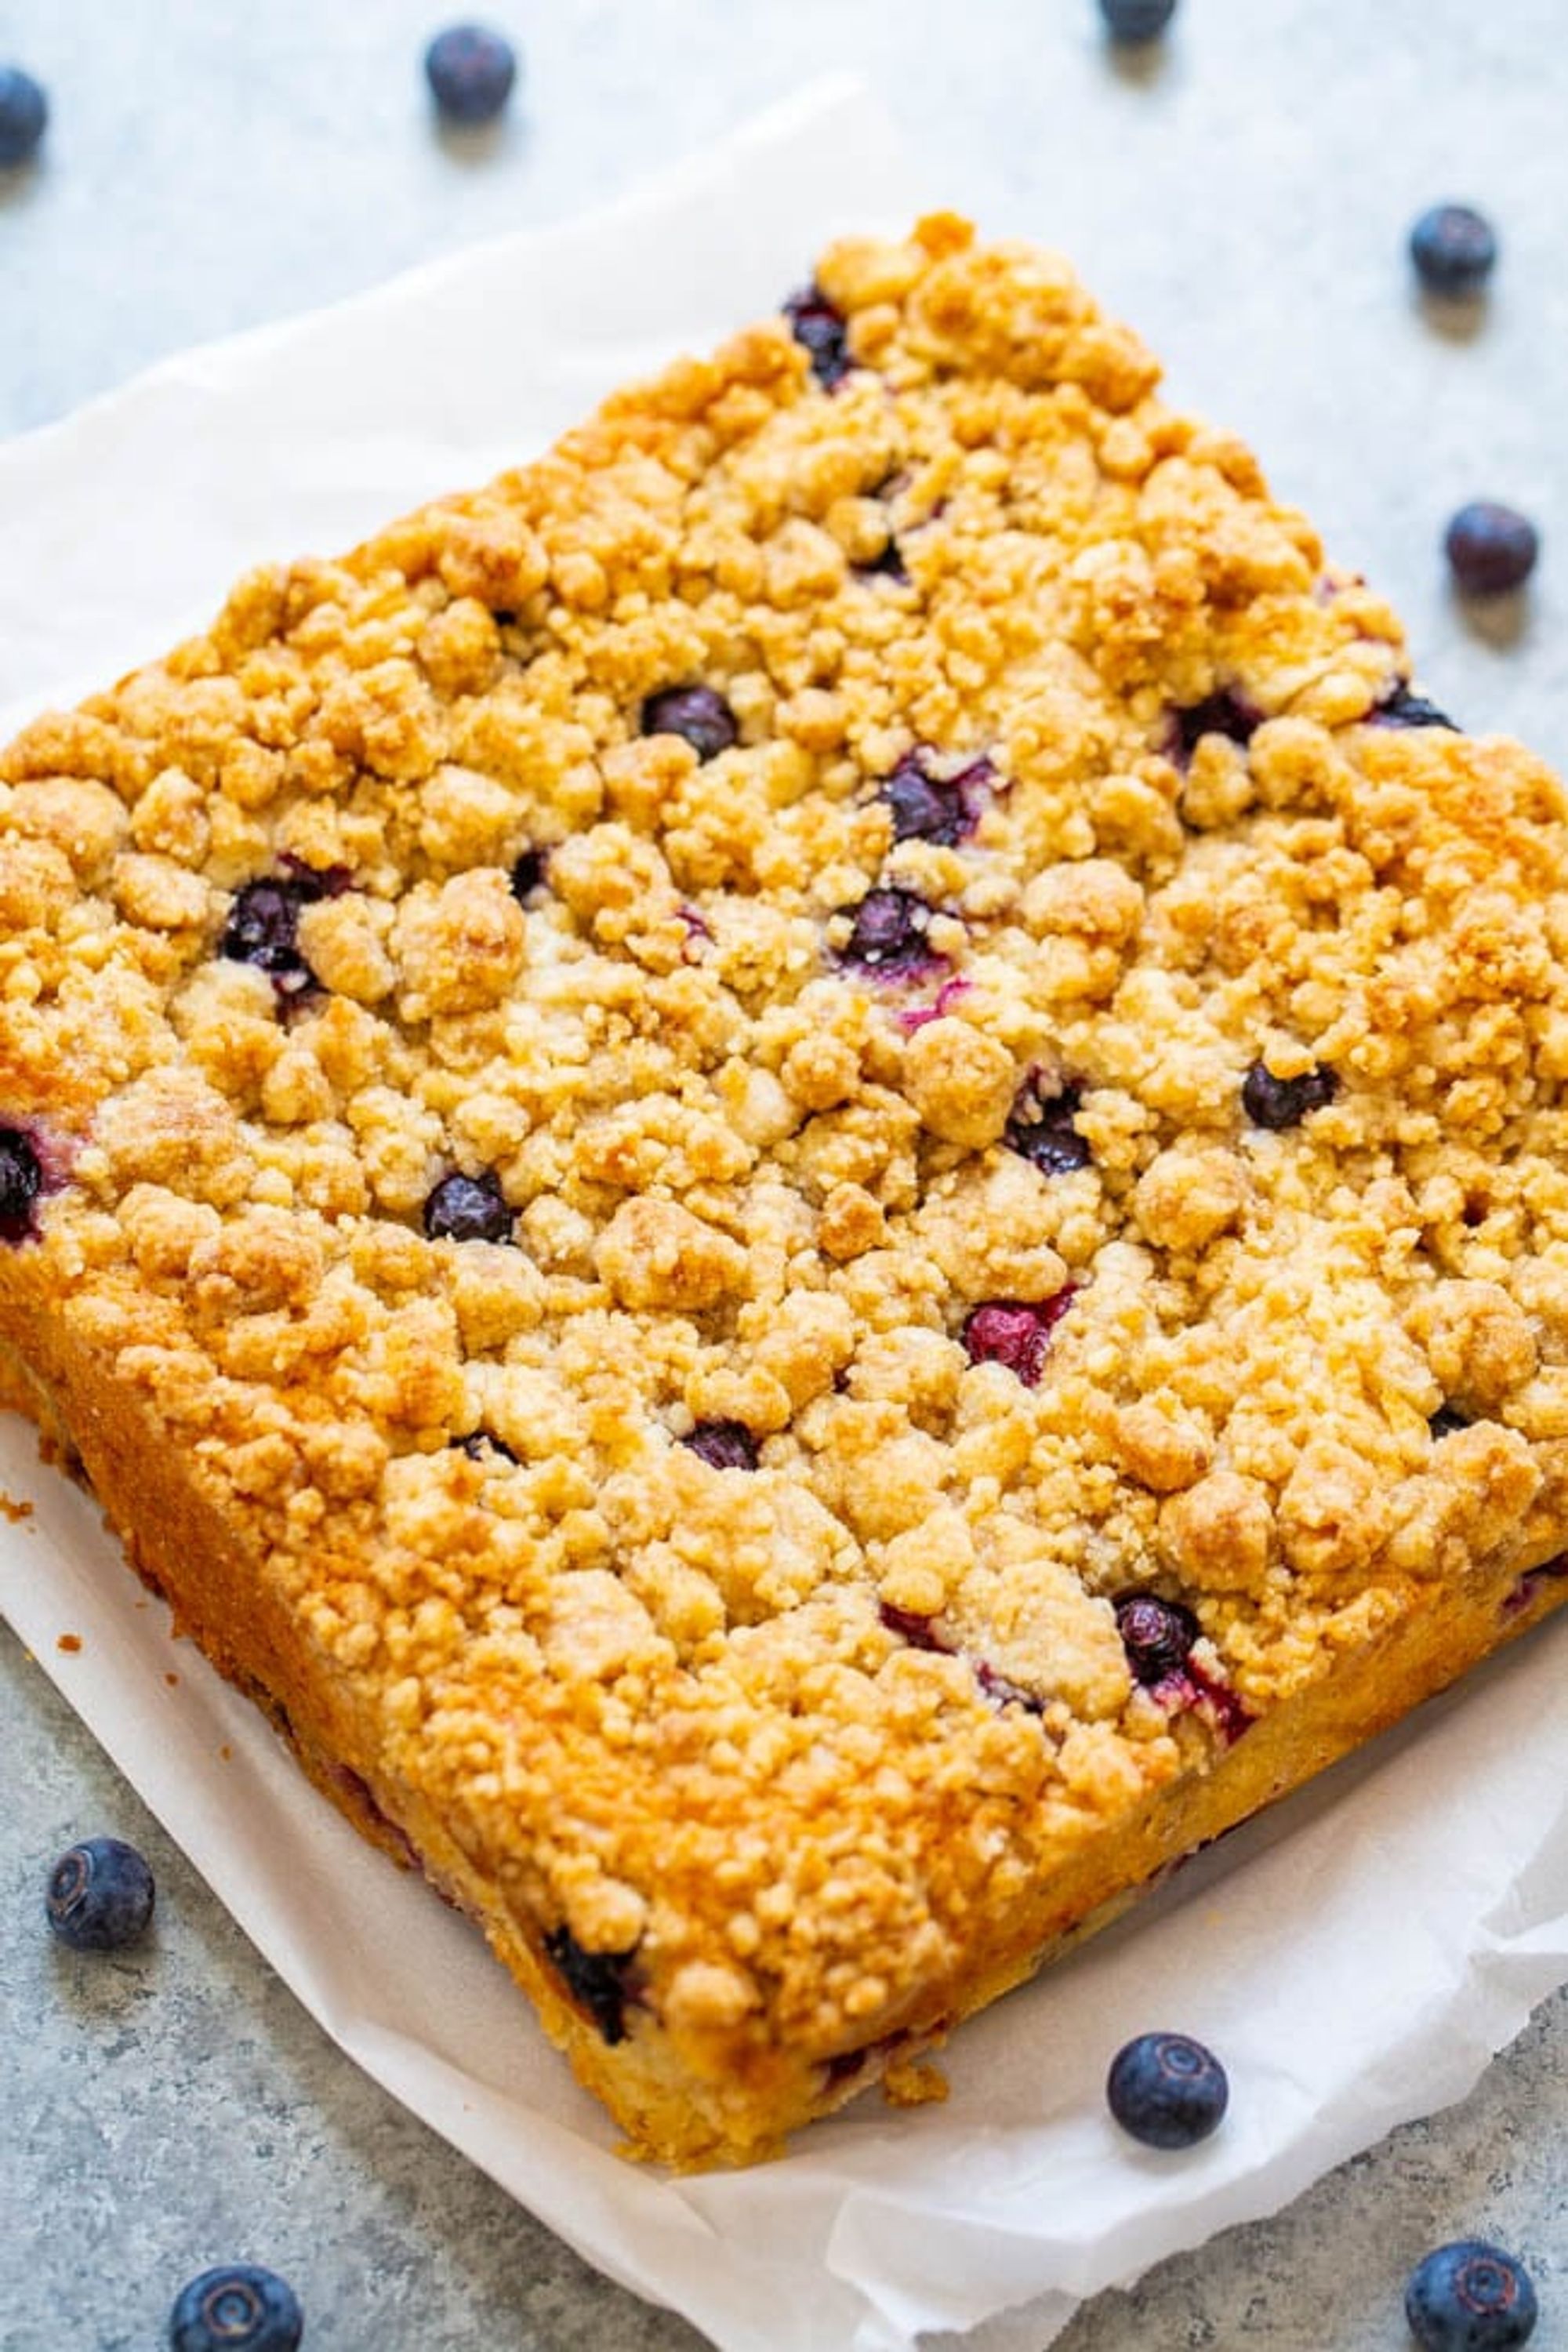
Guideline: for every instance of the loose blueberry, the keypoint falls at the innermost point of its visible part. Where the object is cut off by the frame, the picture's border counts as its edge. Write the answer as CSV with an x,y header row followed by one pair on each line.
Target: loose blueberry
x,y
470,71
696,712
597,1980
1469,2297
23,111
822,328
238,2308
1454,248
527,873
1403,709
100,1895
1224,713
1042,1132
1018,1334
21,1180
1136,20
1446,1420
1278,1103
888,933
1490,548
1167,2090
467,1209
1156,1636
724,1444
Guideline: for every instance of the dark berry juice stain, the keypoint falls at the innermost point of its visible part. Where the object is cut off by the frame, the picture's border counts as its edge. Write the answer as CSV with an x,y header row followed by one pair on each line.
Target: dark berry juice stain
x,y
699,714
1156,1636
941,809
919,1632
1003,1691
359,1798
1279,1103
1016,1333
915,1016
724,1444
21,1183
1041,1129
1215,1700
1533,1585
264,922
467,1209
1224,713
888,935
823,332
1403,709
600,1981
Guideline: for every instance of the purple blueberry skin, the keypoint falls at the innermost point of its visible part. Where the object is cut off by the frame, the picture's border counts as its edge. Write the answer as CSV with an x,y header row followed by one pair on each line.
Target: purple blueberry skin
x,y
1490,548
1015,1333
1279,1103
701,717
1166,2090
724,1444
470,71
21,1182
1136,20
24,113
889,565
1405,708
1044,1133
1157,1634
100,1895
942,809
889,932
1454,248
1224,713
478,1443
1469,2296
527,873
237,2307
821,330
264,922
922,810
919,1632
467,1209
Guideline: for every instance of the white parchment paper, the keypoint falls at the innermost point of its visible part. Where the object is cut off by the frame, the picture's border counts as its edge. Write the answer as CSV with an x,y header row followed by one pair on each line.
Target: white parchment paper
x,y
1356,1957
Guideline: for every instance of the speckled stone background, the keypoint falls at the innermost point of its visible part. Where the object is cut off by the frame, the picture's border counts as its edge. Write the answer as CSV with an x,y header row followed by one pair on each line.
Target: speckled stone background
x,y
1242,195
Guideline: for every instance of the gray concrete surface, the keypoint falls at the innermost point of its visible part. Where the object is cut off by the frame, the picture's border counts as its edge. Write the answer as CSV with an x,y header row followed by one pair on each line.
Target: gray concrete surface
x,y
1243,196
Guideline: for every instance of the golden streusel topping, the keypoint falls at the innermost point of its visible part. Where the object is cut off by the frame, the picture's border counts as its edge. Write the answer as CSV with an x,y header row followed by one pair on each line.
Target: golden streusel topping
x,y
727,1088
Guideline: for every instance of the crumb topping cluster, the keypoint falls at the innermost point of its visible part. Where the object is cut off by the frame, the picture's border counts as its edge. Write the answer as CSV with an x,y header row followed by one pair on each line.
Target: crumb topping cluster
x,y
727,1089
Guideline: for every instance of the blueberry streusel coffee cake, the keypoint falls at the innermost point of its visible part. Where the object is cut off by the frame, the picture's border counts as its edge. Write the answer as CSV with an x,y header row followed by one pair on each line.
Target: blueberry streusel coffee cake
x,y
804,1174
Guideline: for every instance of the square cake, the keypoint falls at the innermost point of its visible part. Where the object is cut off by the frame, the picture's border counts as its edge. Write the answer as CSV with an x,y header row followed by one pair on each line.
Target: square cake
x,y
805,1174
